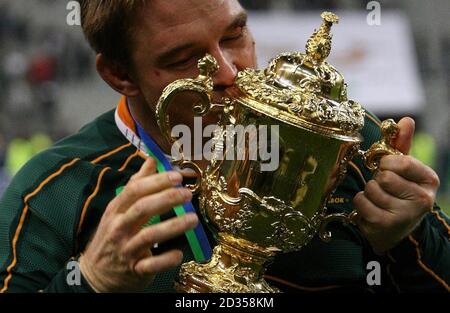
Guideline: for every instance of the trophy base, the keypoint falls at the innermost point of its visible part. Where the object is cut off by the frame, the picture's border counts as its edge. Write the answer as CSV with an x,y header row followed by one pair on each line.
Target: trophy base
x,y
230,270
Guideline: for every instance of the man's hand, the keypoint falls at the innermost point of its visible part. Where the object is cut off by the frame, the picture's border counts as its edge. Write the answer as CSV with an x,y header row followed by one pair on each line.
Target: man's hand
x,y
401,193
119,259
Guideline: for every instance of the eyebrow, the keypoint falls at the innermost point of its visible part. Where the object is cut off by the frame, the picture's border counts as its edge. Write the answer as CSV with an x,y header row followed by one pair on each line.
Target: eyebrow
x,y
239,20
170,54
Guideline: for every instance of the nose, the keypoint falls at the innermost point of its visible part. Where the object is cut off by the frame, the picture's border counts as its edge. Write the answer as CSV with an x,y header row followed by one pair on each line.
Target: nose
x,y
227,69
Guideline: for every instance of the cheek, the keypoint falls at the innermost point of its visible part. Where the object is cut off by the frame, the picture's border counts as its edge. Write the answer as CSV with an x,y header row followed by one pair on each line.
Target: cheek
x,y
152,88
152,83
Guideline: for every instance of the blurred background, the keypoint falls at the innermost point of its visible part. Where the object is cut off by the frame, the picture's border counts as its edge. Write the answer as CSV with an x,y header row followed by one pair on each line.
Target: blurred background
x,y
394,54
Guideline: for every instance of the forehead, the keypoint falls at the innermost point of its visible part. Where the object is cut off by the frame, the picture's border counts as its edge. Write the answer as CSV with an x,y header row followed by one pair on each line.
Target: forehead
x,y
174,13
164,22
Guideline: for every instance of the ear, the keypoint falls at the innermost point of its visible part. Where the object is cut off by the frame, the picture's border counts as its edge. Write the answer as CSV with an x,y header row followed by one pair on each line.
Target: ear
x,y
116,76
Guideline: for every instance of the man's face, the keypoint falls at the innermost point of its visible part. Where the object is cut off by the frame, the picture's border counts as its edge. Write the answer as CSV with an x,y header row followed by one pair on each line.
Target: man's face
x,y
171,36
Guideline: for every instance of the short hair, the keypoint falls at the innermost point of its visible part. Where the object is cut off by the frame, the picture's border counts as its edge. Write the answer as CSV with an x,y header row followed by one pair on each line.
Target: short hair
x,y
108,26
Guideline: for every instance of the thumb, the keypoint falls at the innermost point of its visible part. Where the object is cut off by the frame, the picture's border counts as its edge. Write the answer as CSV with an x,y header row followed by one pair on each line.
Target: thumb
x,y
404,139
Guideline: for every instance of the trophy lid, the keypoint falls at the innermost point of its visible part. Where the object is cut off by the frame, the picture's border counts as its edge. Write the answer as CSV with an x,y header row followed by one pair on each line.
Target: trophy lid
x,y
303,89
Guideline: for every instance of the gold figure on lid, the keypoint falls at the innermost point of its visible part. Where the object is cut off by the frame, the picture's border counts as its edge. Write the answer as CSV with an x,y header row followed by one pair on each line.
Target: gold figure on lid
x,y
318,46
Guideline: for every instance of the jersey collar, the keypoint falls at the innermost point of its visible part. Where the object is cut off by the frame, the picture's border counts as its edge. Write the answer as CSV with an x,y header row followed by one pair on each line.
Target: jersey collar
x,y
125,123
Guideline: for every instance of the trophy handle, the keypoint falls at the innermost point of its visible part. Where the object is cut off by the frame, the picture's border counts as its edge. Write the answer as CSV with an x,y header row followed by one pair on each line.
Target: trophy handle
x,y
371,158
203,87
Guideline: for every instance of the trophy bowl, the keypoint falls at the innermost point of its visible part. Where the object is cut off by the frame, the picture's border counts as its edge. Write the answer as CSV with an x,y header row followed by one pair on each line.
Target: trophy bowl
x,y
298,108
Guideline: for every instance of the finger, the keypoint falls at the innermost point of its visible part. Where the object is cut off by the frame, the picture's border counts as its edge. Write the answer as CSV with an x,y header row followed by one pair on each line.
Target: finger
x,y
409,168
153,205
159,263
404,139
396,185
380,198
368,211
145,186
159,233
147,169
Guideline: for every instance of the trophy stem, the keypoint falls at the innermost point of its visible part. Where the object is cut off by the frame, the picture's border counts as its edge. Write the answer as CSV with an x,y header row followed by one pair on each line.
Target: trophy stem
x,y
236,266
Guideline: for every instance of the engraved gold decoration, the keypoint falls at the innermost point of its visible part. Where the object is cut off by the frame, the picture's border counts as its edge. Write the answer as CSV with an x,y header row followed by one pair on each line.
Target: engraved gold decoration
x,y
255,214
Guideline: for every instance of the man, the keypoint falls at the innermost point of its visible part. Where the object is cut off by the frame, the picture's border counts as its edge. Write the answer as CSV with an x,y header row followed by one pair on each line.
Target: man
x,y
63,204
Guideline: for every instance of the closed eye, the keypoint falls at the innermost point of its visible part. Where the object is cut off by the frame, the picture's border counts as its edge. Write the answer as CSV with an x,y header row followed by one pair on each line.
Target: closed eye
x,y
238,34
235,37
182,63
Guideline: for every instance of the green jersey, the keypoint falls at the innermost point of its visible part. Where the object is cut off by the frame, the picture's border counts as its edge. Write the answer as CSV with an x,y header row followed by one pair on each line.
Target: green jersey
x,y
54,204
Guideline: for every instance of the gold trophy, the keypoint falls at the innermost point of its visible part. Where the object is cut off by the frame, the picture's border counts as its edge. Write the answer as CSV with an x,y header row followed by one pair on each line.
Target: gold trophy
x,y
255,214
